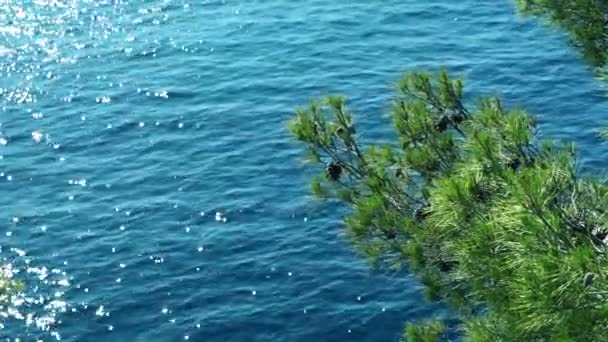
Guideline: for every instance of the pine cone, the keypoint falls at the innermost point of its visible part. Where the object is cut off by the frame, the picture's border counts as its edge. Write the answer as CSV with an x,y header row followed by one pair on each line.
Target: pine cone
x,y
514,164
588,279
334,170
442,124
457,118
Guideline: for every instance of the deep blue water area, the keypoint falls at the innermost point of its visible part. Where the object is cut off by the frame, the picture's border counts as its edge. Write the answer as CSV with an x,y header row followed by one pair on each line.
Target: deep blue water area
x,y
149,189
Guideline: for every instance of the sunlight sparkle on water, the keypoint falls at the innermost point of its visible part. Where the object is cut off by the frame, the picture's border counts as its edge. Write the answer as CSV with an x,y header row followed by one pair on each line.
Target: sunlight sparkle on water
x,y
35,307
37,136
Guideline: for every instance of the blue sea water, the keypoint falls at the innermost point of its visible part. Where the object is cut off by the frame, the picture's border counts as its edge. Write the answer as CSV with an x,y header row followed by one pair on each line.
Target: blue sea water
x,y
150,190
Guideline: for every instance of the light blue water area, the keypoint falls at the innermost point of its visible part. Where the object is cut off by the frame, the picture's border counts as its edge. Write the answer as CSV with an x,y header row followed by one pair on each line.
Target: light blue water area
x,y
150,190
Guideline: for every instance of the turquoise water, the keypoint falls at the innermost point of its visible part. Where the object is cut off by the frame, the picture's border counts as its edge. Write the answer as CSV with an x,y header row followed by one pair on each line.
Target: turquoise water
x,y
150,191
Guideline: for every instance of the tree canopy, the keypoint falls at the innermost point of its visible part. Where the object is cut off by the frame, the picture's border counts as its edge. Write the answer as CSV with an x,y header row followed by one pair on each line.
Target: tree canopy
x,y
585,20
492,219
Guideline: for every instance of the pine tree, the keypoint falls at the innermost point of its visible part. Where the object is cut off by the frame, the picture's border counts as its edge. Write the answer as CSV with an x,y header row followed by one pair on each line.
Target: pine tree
x,y
493,220
585,20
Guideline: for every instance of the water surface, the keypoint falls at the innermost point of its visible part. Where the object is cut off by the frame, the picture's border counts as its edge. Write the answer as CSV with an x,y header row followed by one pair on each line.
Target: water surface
x,y
149,188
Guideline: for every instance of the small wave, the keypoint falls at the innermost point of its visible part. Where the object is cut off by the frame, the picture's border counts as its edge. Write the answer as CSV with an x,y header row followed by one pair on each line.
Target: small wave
x,y
6,51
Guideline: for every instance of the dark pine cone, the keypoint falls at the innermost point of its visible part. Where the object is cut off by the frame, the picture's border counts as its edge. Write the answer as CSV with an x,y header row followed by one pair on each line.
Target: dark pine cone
x,y
442,124
334,170
514,164
457,118
399,173
390,235
420,214
446,266
350,129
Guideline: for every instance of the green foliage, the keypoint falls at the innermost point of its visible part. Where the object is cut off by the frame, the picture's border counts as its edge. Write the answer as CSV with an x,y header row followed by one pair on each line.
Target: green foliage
x,y
584,19
428,332
492,220
8,284
8,288
603,133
